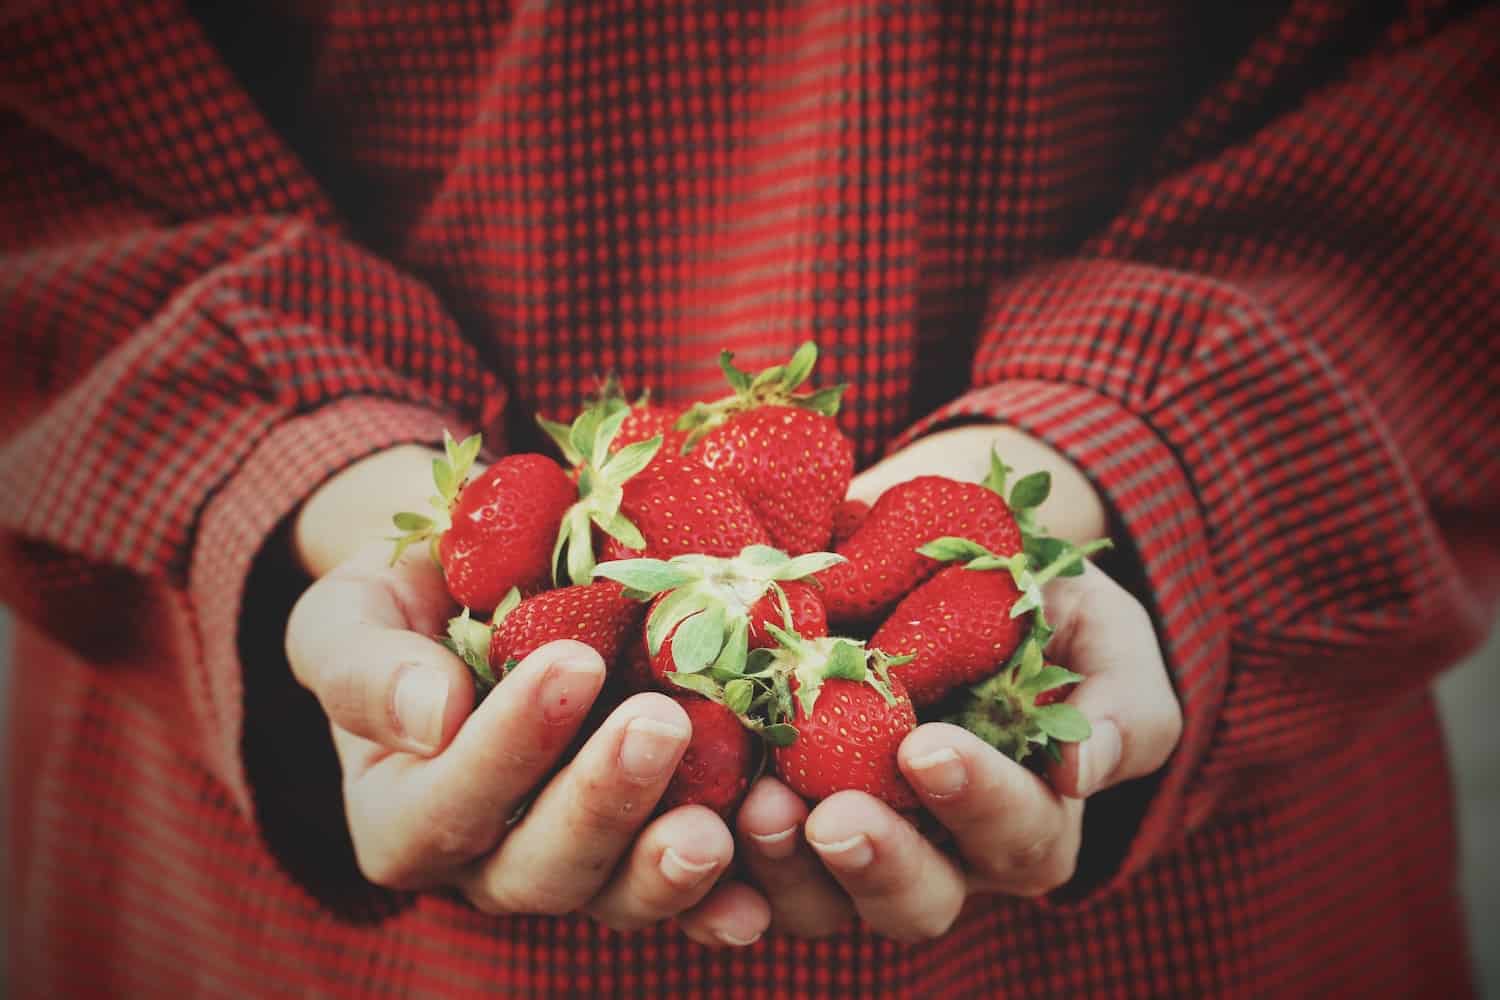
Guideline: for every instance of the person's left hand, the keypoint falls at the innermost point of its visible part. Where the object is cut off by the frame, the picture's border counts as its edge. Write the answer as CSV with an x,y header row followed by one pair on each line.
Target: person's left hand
x,y
1012,832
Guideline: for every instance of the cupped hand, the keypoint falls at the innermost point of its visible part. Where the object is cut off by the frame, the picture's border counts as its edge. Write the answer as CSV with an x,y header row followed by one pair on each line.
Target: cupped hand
x,y
441,792
1006,829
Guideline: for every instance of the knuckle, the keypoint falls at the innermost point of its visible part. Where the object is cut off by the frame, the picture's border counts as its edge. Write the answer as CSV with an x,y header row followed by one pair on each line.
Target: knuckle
x,y
455,837
928,927
1056,872
521,758
538,895
484,902
605,808
1031,855
620,920
381,866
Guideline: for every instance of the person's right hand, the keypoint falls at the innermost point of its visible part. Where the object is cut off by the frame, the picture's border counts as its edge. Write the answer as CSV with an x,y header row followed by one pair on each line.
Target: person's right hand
x,y
433,785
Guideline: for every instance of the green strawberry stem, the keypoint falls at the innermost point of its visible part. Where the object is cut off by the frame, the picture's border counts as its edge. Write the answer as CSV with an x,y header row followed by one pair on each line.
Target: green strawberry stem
x,y
449,473
708,602
470,640
775,386
601,481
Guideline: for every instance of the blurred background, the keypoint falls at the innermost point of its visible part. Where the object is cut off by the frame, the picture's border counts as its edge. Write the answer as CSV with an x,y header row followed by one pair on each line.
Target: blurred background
x,y
1469,698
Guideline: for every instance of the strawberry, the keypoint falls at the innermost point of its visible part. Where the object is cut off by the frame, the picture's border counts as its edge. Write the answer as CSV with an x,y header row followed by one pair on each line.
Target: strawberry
x,y
598,615
849,717
647,420
804,615
956,627
678,507
847,517
780,448
718,764
643,420
983,624
494,532
883,562
709,612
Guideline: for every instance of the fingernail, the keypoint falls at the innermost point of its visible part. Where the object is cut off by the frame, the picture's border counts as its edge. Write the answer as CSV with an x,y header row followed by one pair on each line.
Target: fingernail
x,y
566,691
650,747
1098,757
684,873
850,855
419,702
940,773
735,941
776,845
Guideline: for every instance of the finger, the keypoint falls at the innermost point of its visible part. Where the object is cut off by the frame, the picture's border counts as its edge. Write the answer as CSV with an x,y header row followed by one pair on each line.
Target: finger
x,y
902,885
1105,634
732,915
564,851
805,900
671,867
354,641
1018,835
414,820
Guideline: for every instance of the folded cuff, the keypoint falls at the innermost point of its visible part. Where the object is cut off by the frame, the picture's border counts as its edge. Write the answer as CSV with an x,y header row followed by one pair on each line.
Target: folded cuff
x,y
283,469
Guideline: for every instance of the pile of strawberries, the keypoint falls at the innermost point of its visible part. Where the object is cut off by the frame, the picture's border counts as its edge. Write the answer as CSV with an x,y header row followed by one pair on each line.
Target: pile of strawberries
x,y
710,553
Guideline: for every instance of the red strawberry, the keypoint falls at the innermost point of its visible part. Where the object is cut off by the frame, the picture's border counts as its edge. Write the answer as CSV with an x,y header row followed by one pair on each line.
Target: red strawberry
x,y
598,615
847,517
679,507
981,628
849,721
883,562
496,531
646,421
642,421
716,768
808,618
780,448
710,612
958,629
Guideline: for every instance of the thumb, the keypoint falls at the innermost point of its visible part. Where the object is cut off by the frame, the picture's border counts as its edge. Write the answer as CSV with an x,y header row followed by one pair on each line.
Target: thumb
x,y
1105,634
350,643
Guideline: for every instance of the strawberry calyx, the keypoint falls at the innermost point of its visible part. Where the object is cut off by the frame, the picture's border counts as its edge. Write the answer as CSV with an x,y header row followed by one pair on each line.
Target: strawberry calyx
x,y
601,480
708,599
449,473
774,386
469,639
1003,710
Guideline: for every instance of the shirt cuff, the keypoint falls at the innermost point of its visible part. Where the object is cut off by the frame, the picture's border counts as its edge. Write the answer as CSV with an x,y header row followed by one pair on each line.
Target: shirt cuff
x,y
1155,509
287,465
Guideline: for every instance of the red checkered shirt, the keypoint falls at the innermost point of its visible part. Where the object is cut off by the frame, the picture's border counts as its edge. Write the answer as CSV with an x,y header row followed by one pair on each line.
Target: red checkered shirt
x,y
1238,261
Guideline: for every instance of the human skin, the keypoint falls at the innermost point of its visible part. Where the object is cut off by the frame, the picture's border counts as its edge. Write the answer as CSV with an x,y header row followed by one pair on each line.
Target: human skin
x,y
429,786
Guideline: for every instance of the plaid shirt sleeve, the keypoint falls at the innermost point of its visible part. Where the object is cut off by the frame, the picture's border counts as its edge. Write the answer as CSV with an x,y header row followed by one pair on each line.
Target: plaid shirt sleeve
x,y
194,347
1283,383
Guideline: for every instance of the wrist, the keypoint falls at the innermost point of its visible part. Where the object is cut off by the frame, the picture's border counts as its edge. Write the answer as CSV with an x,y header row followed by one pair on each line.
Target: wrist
x,y
354,507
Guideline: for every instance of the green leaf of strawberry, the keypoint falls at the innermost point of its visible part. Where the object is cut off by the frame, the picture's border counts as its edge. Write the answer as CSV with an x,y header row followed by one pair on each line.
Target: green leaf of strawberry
x,y
1049,678
1063,722
1031,490
698,640
645,576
